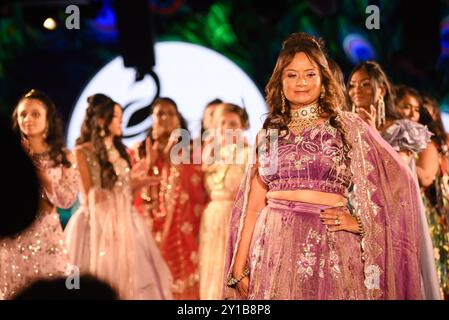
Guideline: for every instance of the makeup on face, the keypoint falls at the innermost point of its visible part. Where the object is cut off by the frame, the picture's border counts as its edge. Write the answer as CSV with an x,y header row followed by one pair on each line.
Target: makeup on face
x,y
408,107
32,117
301,81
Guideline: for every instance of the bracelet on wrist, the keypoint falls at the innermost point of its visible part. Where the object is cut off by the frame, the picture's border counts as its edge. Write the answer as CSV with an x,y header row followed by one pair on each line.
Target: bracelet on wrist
x,y
232,281
361,230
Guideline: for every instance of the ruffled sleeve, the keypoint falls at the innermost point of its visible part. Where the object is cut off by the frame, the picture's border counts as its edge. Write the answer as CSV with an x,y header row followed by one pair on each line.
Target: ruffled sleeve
x,y
407,135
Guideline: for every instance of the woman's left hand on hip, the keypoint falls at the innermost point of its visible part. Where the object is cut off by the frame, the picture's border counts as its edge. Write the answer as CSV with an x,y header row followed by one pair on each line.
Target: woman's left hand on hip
x,y
339,219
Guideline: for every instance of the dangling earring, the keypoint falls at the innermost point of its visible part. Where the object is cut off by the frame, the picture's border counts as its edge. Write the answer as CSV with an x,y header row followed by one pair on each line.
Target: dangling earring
x,y
102,133
44,135
323,92
353,108
380,112
282,102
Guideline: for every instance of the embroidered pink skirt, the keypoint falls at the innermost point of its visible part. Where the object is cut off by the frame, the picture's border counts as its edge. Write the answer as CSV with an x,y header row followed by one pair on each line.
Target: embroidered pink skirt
x,y
294,257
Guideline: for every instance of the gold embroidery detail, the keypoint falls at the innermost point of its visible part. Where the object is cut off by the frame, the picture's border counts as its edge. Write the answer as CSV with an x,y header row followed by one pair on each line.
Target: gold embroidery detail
x,y
303,118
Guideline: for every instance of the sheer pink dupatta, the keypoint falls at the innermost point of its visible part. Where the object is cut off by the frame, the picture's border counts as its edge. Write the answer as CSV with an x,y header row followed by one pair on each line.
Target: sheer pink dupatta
x,y
387,200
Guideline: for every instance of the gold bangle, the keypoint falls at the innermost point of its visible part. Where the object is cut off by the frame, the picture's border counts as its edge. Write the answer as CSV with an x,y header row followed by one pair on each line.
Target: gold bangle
x,y
361,229
232,282
359,222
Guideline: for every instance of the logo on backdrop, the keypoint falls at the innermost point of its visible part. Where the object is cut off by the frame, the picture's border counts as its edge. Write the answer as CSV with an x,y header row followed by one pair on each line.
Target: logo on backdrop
x,y
190,74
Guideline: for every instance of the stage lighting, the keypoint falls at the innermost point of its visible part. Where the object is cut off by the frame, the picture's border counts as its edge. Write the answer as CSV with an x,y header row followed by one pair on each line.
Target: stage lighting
x,y
358,48
444,37
104,23
50,24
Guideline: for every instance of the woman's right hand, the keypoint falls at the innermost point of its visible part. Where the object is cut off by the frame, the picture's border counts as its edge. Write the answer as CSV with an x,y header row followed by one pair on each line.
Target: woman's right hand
x,y
151,152
156,150
140,176
369,117
242,287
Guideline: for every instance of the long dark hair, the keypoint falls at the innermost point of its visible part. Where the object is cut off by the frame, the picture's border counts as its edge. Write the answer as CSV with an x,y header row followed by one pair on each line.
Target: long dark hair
x,y
425,117
54,136
378,79
439,138
401,91
182,121
331,102
438,127
101,107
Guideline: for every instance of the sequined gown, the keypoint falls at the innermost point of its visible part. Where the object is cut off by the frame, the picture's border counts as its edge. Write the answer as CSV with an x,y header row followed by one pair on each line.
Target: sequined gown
x,y
39,251
107,238
222,182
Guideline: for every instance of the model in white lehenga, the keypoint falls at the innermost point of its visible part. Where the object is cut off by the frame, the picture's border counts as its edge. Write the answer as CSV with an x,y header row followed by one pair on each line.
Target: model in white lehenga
x,y
106,237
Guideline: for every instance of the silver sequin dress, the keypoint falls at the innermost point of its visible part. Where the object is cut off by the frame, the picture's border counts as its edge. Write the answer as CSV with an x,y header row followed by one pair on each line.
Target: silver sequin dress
x,y
39,251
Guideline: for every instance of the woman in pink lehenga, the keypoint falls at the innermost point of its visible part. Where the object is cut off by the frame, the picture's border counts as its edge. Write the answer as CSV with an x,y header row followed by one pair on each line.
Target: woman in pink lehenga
x,y
106,237
292,234
39,251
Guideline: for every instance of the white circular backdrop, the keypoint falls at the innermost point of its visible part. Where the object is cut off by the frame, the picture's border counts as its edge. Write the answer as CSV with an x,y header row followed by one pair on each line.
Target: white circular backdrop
x,y
190,74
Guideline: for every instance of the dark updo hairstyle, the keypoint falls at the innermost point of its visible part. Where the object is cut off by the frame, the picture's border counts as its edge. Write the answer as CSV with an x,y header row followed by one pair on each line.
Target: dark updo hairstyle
x,y
101,109
54,136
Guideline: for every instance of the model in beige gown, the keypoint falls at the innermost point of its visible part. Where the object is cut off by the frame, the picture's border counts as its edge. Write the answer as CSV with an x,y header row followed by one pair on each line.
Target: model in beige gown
x,y
222,183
